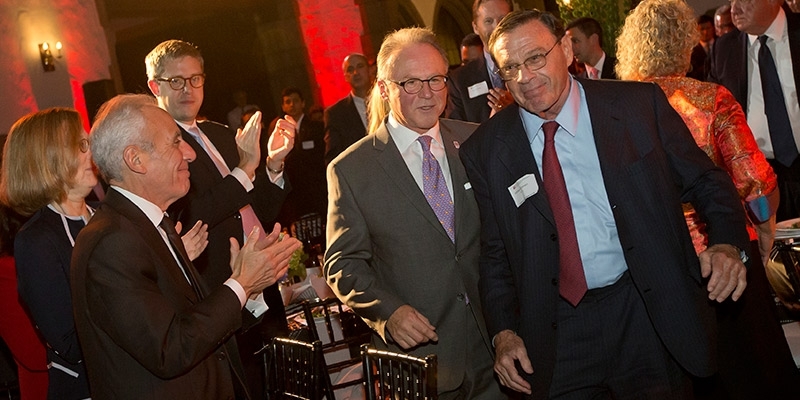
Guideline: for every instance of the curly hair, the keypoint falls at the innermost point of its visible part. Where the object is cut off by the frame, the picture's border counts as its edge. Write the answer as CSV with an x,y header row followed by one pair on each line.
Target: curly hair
x,y
656,40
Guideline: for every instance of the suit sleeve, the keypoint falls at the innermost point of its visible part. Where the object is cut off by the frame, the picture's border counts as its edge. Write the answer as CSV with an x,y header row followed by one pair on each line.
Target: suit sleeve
x,y
44,287
131,302
455,100
496,284
349,268
333,135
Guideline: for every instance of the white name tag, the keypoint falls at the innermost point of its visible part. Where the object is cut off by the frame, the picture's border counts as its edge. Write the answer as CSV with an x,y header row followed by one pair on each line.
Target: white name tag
x,y
308,145
478,89
523,188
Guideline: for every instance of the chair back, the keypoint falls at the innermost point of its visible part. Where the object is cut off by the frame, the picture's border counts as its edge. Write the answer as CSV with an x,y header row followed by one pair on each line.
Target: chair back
x,y
341,333
296,370
389,375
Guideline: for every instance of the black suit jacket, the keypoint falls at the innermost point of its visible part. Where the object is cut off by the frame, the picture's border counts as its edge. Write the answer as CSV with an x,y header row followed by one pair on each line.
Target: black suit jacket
x,y
608,71
343,127
650,165
145,331
729,59
459,105
304,166
216,201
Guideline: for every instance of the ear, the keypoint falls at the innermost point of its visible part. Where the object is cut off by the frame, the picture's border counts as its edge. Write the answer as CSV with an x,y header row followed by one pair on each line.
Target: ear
x,y
134,158
383,90
566,47
475,28
595,39
154,88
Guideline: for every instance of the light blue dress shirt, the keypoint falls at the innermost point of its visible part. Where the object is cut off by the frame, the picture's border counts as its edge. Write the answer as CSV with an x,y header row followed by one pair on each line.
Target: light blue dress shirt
x,y
598,240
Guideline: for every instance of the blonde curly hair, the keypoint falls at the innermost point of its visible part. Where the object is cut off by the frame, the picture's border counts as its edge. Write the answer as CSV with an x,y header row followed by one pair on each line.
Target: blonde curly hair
x,y
657,40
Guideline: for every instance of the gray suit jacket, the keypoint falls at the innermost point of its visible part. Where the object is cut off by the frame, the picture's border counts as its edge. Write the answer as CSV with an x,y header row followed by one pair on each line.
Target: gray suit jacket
x,y
386,248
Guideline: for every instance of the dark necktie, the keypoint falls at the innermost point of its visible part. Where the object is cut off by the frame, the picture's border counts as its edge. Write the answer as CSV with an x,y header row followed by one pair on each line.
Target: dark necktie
x,y
435,188
780,129
572,281
177,244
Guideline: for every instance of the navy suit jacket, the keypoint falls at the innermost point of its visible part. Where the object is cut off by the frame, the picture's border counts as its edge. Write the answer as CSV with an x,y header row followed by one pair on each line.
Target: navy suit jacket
x,y
650,165
343,127
459,105
608,71
729,59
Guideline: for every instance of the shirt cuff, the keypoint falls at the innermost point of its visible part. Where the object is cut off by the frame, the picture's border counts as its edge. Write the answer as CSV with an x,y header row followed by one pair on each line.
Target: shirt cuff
x,y
238,290
276,179
242,177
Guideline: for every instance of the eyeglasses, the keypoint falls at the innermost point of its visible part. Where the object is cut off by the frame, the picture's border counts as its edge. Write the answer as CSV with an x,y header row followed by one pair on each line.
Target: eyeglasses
x,y
84,145
532,63
179,82
414,85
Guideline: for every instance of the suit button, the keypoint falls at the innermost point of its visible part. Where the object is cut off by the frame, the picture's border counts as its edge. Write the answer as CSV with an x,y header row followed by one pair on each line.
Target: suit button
x,y
221,356
555,325
458,258
553,237
460,297
554,282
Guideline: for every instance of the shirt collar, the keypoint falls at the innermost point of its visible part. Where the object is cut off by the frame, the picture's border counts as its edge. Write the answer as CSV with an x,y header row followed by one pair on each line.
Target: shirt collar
x,y
776,30
152,211
188,128
599,65
405,137
567,118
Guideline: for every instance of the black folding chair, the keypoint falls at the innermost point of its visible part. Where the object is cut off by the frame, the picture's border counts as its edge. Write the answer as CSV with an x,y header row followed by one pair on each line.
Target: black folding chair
x,y
396,376
296,370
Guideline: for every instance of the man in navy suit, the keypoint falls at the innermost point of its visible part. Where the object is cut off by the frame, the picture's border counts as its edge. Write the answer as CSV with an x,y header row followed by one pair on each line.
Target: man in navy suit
x,y
735,65
346,121
587,44
475,92
587,271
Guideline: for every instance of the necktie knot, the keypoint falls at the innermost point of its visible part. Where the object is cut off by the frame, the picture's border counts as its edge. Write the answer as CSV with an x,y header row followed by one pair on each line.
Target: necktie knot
x,y
168,226
425,142
550,128
763,40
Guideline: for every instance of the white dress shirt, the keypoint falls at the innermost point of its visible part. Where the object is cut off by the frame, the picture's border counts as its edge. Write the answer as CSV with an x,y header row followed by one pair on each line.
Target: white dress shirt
x,y
411,150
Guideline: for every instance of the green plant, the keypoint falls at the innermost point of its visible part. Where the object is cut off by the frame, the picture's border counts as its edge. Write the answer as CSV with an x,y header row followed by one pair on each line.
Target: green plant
x,y
297,266
609,13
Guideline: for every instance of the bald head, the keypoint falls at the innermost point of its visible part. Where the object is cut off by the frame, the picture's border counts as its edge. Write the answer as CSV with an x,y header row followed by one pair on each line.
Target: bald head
x,y
356,74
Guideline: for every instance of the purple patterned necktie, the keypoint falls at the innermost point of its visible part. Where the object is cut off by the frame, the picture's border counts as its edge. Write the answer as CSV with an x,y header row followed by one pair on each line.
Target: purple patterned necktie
x,y
435,188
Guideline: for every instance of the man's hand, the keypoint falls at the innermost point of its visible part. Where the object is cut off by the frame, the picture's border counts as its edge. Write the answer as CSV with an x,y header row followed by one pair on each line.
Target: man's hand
x,y
498,100
195,240
728,274
409,328
509,348
260,263
281,141
248,144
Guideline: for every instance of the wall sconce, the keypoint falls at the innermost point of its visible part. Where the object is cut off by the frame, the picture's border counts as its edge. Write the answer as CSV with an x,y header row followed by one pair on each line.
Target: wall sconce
x,y
48,60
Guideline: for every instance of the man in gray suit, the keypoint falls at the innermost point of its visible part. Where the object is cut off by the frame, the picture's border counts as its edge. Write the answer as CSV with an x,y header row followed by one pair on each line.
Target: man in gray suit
x,y
403,223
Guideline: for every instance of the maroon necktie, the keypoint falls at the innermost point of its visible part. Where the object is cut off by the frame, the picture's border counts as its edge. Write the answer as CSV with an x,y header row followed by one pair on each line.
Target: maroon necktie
x,y
572,281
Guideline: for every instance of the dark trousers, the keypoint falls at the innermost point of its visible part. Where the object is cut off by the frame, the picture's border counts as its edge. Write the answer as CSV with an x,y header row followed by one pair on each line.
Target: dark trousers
x,y
608,349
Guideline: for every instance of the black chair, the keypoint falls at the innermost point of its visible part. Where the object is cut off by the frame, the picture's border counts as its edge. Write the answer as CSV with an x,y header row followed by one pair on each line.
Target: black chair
x,y
354,333
396,376
296,370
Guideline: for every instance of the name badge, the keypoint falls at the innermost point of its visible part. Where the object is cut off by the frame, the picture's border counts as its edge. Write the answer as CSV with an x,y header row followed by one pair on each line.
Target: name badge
x,y
523,188
308,144
478,89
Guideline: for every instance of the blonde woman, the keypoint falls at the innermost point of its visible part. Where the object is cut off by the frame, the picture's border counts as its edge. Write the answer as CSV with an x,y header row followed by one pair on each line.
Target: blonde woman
x,y
655,45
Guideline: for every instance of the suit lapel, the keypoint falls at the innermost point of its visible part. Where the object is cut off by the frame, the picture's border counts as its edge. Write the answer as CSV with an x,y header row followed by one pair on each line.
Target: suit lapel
x,y
741,76
395,167
459,178
521,163
152,237
201,157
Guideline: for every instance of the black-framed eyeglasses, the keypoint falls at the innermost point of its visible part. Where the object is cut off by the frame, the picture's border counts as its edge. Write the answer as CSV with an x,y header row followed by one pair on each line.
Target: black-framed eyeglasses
x,y
414,85
84,145
178,82
532,63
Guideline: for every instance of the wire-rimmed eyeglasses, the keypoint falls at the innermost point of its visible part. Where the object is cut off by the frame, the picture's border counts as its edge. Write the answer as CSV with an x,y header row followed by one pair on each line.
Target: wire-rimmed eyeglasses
x,y
178,82
414,85
532,63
